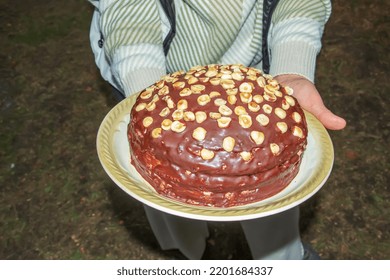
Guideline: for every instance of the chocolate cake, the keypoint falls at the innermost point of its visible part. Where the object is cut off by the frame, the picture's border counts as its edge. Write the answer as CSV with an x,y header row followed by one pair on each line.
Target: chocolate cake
x,y
217,135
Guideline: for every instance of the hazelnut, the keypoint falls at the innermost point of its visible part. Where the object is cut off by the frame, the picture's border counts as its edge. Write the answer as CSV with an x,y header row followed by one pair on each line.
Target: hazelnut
x,y
211,73
227,84
285,105
199,133
267,109
253,106
262,119
203,99
261,81
185,92
282,126
182,104
197,88
269,90
200,116
289,90
274,148
192,80
224,122
269,97
166,124
228,144
147,121
156,133
232,91
146,94
215,115
297,131
177,115
215,81
140,107
170,103
219,102
239,110
257,137
189,116
296,117
179,85
163,91
214,94
246,87
206,154
237,76
290,100
280,113
245,97
151,106
164,112
232,99
245,120
178,126
225,110
247,156
258,98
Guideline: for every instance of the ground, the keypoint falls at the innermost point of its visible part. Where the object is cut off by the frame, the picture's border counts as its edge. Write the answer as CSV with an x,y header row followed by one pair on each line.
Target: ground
x,y
56,201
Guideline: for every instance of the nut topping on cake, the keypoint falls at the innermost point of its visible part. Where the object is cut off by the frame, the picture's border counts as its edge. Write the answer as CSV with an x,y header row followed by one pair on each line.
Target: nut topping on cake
x,y
225,110
245,120
200,116
185,92
262,119
290,100
282,126
140,107
280,113
178,126
228,144
166,124
147,121
297,131
156,133
224,122
199,133
206,154
228,131
257,137
146,94
267,109
296,117
274,148
203,99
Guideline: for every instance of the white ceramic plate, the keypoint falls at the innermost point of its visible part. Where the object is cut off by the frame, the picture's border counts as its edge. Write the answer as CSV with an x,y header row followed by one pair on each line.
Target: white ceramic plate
x,y
114,155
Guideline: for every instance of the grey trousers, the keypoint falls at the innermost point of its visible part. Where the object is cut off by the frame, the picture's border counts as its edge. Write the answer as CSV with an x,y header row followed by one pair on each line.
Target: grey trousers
x,y
273,237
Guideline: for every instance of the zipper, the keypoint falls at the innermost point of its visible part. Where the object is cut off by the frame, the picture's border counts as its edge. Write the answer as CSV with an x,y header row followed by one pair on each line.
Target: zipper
x,y
101,40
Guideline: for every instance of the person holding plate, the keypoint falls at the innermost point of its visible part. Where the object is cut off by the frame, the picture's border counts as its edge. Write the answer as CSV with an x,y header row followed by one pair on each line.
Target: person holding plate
x,y
137,42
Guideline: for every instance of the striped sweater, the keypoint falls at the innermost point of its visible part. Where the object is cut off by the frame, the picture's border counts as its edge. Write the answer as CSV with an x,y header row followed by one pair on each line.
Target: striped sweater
x,y
207,31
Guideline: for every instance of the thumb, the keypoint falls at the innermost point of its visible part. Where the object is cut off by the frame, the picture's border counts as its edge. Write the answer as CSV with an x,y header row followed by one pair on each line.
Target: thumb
x,y
327,118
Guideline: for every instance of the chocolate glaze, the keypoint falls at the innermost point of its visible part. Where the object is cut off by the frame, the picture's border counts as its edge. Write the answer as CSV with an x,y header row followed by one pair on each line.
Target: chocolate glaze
x,y
172,163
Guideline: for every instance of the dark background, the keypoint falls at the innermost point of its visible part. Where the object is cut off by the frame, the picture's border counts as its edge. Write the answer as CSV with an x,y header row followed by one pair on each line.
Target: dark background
x,y
56,202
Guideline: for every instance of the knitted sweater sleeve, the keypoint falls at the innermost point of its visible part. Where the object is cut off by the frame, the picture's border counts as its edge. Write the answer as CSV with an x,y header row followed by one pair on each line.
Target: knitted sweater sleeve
x,y
295,36
133,42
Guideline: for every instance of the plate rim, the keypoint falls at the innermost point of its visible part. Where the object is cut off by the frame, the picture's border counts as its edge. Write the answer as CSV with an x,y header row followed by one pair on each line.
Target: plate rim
x,y
106,155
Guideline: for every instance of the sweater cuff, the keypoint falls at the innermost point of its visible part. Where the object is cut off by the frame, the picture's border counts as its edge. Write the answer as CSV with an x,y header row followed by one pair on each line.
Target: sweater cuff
x,y
140,79
294,58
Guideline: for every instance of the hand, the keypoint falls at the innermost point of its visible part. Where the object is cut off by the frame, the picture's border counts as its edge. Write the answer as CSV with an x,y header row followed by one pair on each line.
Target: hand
x,y
310,99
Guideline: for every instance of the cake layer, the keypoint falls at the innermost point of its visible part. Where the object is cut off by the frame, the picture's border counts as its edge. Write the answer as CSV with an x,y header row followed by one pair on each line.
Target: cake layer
x,y
214,190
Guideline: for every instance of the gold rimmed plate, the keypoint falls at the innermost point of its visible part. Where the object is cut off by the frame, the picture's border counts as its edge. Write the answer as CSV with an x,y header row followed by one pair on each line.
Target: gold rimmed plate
x,y
114,154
